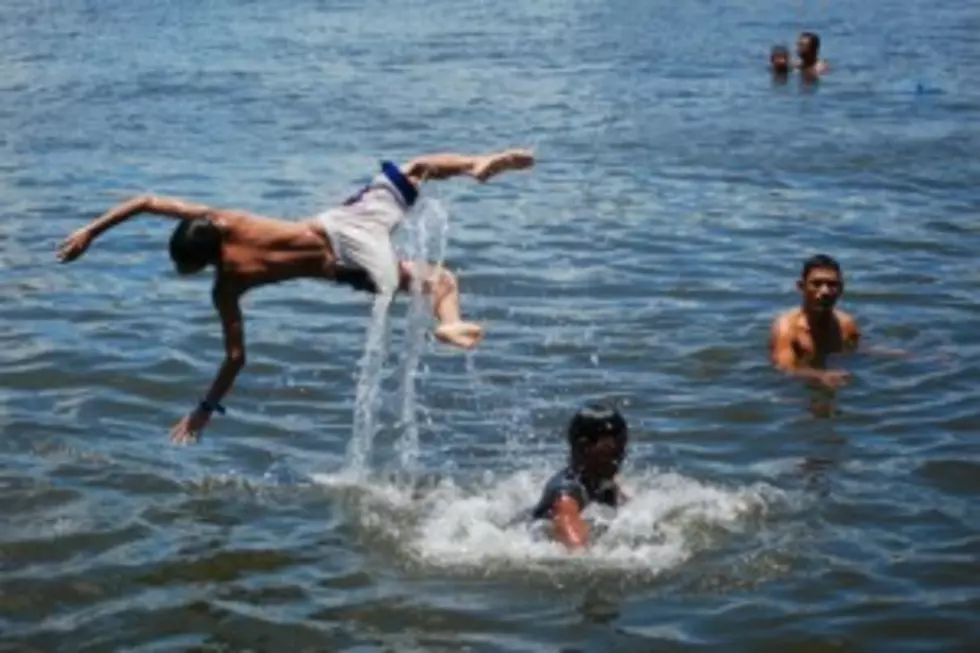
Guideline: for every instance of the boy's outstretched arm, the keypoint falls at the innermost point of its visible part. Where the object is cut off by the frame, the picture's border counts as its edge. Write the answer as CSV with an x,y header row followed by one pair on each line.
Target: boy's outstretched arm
x,y
480,167
569,527
76,244
226,301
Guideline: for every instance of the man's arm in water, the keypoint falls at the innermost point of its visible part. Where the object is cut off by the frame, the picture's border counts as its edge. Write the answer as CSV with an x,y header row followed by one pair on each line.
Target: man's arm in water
x,y
570,529
76,244
480,167
232,326
852,337
849,332
784,358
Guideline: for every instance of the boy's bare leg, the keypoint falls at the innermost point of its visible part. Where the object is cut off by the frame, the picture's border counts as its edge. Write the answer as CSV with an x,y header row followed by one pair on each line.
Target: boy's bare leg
x,y
480,167
440,285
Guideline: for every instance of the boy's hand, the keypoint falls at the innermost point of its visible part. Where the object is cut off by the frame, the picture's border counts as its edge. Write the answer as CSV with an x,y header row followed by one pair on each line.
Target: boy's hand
x,y
188,429
75,245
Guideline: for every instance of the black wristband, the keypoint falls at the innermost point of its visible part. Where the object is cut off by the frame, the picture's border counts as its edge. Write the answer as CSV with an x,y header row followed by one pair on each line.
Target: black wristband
x,y
209,408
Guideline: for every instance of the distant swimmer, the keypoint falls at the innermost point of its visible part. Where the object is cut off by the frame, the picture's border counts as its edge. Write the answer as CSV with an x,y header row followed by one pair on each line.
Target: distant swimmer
x,y
597,438
349,244
779,62
808,49
803,338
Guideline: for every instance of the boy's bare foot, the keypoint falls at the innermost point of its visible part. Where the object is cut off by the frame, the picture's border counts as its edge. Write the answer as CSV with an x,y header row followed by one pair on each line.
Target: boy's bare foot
x,y
493,164
465,335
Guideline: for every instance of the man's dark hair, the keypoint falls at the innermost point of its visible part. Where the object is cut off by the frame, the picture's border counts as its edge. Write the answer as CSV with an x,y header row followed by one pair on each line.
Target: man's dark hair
x,y
819,261
814,40
194,245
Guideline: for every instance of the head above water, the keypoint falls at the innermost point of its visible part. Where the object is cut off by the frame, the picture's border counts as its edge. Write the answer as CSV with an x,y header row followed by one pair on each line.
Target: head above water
x,y
808,48
597,435
779,59
821,283
194,245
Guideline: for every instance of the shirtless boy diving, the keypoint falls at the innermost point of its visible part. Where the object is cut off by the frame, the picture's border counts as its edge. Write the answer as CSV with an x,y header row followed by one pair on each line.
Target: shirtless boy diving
x,y
803,338
350,244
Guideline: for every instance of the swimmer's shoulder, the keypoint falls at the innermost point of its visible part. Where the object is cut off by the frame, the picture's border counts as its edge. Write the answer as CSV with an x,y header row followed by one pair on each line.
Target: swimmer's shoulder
x,y
785,324
562,484
848,325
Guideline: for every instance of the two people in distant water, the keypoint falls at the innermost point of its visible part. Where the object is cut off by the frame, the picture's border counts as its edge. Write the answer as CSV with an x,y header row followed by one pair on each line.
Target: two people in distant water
x,y
809,63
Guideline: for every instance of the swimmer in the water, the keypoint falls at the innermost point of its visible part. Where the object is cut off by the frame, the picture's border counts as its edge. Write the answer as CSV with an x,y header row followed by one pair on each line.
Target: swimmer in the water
x,y
804,337
597,437
779,62
808,49
349,244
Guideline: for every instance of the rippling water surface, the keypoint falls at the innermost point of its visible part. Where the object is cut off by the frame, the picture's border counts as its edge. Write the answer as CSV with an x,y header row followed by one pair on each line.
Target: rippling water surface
x,y
676,194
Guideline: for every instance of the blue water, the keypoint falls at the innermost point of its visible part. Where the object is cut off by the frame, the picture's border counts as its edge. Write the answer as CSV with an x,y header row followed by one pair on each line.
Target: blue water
x,y
676,194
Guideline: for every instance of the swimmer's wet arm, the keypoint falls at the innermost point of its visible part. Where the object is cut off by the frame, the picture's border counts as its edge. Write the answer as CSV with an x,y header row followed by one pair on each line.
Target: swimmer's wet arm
x,y
851,333
781,347
569,527
232,327
783,355
76,244
165,206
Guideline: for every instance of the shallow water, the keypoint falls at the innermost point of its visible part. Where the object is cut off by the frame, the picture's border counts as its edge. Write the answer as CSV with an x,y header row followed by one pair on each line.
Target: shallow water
x,y
676,194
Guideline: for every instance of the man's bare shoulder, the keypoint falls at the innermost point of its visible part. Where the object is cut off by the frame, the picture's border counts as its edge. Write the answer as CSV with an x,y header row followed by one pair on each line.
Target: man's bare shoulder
x,y
848,324
786,322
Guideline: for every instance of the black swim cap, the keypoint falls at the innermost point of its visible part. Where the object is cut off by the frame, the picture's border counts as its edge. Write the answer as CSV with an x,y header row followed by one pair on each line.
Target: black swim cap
x,y
595,421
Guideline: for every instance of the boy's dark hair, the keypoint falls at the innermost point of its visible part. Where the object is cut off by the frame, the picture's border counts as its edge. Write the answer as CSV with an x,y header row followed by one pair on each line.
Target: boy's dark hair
x,y
819,261
595,421
194,245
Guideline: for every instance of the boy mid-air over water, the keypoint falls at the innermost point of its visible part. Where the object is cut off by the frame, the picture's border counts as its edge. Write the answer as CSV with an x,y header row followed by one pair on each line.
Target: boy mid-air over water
x,y
349,244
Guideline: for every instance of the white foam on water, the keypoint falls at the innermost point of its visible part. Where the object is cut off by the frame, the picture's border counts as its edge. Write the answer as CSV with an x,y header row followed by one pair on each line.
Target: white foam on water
x,y
484,526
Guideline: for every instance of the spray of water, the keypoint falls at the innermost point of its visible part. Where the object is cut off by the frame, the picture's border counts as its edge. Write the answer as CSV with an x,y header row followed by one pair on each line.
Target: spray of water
x,y
427,231
482,526
427,237
368,389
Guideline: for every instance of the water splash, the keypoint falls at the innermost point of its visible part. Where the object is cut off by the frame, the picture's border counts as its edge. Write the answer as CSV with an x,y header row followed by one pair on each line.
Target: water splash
x,y
368,389
427,237
483,526
428,219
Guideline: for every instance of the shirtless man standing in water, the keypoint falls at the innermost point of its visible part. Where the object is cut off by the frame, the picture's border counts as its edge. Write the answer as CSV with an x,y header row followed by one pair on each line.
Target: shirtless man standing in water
x,y
804,337
350,244
808,49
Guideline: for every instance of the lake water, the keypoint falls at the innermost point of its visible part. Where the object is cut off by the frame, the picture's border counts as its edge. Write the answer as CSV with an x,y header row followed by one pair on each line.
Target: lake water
x,y
676,194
